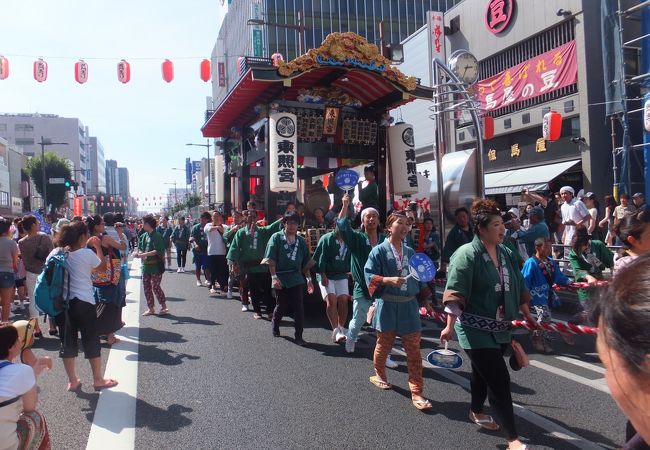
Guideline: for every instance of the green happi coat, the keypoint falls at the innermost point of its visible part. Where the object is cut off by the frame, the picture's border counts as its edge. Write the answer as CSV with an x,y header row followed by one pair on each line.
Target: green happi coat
x,y
332,257
148,242
290,260
359,245
593,262
247,249
473,277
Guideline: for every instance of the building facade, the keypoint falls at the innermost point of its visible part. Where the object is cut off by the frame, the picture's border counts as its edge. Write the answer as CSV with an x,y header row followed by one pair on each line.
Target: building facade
x,y
123,188
24,131
97,169
112,177
529,38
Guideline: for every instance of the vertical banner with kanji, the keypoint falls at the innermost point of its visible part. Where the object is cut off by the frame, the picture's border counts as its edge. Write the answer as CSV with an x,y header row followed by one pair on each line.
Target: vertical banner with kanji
x,y
283,152
404,173
436,30
542,74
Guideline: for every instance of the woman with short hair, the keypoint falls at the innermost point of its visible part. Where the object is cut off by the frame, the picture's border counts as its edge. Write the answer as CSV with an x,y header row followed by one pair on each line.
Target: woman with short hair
x,y
151,249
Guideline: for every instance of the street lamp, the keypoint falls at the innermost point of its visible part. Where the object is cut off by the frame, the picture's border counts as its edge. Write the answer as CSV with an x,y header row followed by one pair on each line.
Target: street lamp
x,y
207,145
300,27
44,179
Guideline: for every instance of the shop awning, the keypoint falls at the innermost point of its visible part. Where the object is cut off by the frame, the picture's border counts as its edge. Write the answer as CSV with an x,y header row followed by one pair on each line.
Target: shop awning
x,y
534,178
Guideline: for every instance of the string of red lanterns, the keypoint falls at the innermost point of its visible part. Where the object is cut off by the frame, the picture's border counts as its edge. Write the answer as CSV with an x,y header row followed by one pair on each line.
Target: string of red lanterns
x,y
123,70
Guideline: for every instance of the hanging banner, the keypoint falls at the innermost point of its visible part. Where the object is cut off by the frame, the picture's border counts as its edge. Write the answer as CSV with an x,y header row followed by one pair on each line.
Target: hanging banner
x,y
283,143
540,75
221,71
436,30
219,169
404,173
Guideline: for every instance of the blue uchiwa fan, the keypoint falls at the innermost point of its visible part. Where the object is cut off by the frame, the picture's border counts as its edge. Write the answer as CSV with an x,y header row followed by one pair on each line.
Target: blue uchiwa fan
x,y
445,358
422,268
347,179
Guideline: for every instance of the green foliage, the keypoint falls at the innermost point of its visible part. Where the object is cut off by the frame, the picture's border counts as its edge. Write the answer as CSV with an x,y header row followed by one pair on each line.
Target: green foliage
x,y
55,167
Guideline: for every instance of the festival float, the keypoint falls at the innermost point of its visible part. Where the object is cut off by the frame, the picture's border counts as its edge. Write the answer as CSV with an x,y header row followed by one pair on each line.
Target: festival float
x,y
287,128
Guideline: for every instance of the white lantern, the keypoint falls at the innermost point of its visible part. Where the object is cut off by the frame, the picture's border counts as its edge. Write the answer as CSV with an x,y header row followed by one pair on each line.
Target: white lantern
x,y
646,115
283,154
219,195
403,165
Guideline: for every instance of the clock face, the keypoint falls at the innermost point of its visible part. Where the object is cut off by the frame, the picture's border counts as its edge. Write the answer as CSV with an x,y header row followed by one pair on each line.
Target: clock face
x,y
465,66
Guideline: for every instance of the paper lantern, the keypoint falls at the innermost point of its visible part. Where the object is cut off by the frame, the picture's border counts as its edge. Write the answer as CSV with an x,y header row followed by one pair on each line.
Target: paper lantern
x,y
4,67
277,58
81,71
123,71
552,126
487,127
206,70
40,70
168,71
404,173
646,115
283,143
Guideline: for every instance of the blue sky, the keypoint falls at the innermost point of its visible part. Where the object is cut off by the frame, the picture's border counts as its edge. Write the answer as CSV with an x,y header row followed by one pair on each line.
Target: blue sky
x,y
144,124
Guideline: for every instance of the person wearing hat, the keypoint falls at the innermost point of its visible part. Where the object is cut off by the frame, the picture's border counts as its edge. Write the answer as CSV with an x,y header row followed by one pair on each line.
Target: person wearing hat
x,y
574,213
289,261
537,229
639,201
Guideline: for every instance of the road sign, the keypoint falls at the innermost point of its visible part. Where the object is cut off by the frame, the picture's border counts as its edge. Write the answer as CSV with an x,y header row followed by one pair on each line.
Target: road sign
x,y
56,180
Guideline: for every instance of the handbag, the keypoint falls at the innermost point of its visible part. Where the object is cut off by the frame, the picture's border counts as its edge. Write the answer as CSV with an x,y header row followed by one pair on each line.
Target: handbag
x,y
111,274
41,252
519,358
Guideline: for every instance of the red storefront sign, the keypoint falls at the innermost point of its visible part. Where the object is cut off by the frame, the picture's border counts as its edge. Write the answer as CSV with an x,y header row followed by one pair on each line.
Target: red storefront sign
x,y
221,70
498,15
540,75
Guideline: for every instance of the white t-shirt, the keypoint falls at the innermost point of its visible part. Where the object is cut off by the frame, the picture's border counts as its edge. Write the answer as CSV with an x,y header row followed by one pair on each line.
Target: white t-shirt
x,y
216,244
81,263
573,211
15,379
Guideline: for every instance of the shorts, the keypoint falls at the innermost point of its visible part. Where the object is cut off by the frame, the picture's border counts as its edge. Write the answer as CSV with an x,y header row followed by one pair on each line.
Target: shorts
x,y
20,282
200,261
7,280
338,287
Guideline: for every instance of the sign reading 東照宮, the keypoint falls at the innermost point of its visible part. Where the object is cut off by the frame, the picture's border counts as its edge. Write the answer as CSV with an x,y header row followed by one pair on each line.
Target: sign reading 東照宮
x,y
540,75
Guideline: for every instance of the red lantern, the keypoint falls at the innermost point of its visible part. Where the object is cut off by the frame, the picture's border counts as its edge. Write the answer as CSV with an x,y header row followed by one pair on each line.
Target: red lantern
x,y
4,67
168,71
552,126
123,72
487,127
277,58
81,71
40,70
206,70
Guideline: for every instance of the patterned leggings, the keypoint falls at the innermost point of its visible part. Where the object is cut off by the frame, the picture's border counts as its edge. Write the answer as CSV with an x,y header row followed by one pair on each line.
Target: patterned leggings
x,y
151,284
411,343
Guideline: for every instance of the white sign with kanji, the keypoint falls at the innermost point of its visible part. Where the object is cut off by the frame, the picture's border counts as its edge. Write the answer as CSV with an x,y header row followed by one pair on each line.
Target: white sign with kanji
x,y
283,152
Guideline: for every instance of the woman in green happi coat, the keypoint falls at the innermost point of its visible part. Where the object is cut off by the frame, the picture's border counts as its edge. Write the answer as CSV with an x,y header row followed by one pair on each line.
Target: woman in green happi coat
x,y
485,291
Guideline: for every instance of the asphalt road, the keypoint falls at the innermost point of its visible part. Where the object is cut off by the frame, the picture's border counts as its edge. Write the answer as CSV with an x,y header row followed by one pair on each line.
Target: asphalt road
x,y
210,376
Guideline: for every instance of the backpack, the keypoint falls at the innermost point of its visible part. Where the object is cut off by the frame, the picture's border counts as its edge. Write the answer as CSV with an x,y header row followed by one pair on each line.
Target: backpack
x,y
50,292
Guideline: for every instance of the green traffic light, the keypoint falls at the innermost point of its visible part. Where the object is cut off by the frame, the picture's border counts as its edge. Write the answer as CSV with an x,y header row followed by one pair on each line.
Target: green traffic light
x,y
67,183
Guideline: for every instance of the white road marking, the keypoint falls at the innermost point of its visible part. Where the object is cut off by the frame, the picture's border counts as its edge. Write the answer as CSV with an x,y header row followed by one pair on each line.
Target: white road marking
x,y
114,421
582,364
552,428
598,384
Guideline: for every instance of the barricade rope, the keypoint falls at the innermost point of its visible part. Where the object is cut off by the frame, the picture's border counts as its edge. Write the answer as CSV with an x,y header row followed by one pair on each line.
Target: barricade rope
x,y
556,287
559,327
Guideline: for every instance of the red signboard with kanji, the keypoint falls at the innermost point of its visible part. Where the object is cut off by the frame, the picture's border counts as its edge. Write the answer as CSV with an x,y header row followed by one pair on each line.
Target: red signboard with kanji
x,y
221,71
540,75
498,15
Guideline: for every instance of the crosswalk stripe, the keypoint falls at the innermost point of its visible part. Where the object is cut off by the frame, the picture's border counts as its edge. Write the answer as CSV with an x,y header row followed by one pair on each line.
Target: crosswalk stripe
x,y
582,364
113,424
598,384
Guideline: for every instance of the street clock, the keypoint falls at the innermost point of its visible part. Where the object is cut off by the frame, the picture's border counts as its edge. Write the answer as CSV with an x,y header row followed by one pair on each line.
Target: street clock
x,y
464,65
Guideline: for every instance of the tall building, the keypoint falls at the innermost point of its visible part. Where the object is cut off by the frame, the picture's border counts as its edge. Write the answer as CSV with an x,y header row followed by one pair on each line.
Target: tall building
x,y
25,131
112,177
238,38
97,171
123,182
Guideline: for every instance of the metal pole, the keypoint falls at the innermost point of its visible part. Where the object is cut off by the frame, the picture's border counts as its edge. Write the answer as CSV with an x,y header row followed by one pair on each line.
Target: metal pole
x,y
209,176
301,34
44,178
439,142
624,123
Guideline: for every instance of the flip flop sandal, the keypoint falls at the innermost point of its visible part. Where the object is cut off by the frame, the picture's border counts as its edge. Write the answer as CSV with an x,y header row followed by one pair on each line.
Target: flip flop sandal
x,y
74,387
488,423
108,383
148,313
422,405
381,384
163,312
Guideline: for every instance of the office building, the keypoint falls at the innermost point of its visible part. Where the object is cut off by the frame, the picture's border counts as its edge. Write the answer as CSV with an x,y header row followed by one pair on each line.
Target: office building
x,y
97,171
123,189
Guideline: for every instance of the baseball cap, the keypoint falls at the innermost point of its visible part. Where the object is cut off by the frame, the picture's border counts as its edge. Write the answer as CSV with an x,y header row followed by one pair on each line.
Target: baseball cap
x,y
638,195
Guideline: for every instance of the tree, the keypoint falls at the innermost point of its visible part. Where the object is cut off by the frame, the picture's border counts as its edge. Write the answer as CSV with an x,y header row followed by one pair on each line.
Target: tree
x,y
55,167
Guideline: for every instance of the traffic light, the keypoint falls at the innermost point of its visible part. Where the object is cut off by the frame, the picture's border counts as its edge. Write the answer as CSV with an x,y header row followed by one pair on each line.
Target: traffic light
x,y
67,183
